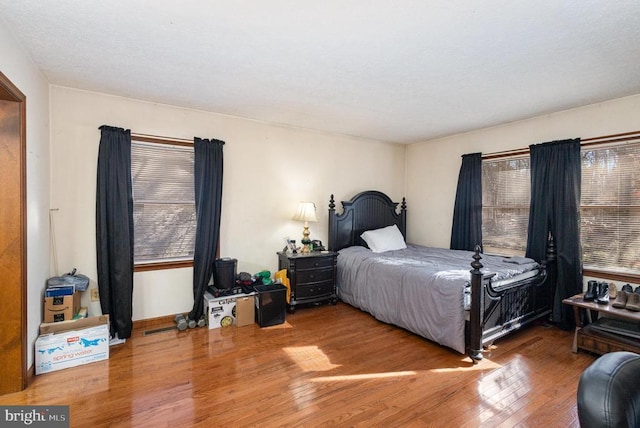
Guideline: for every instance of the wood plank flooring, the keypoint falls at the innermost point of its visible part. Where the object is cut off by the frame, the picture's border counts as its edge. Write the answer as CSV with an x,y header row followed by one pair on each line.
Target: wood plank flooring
x,y
326,366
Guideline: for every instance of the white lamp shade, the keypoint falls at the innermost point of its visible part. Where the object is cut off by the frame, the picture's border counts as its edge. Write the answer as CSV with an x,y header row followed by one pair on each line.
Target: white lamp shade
x,y
306,212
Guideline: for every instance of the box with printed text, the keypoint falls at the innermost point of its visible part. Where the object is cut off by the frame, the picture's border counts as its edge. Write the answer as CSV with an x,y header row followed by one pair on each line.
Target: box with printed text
x,y
219,311
62,345
224,311
61,308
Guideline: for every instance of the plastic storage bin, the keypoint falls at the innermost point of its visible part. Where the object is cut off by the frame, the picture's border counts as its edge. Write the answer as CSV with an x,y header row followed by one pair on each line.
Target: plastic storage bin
x,y
271,304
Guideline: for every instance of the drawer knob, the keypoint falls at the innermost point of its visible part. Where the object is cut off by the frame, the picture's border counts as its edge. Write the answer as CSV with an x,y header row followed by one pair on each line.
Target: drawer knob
x,y
315,264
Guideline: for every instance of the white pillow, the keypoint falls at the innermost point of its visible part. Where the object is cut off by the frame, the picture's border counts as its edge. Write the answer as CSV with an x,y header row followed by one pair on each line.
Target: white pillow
x,y
386,239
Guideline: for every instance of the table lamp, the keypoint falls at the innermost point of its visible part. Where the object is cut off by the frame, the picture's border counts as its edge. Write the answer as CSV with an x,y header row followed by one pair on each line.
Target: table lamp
x,y
306,212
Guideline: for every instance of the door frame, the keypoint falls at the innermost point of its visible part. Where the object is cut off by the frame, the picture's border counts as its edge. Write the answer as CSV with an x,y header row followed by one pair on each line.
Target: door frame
x,y
14,332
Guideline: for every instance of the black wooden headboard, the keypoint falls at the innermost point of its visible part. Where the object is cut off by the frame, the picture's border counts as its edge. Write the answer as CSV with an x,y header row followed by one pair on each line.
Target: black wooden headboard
x,y
365,211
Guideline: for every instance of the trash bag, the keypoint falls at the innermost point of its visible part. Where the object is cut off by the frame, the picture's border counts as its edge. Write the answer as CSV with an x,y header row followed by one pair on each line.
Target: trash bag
x,y
264,277
81,282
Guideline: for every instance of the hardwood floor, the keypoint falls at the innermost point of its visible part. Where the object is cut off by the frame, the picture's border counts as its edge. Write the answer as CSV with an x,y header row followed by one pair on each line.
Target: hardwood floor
x,y
327,365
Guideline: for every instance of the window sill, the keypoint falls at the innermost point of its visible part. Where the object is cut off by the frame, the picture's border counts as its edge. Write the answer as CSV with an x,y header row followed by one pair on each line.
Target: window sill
x,y
143,267
624,277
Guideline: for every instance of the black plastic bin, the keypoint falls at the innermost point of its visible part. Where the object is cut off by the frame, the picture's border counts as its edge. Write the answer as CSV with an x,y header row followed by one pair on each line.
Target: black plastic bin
x,y
224,274
271,304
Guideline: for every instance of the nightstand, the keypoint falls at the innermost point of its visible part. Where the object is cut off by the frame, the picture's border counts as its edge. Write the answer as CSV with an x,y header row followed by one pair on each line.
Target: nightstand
x,y
312,277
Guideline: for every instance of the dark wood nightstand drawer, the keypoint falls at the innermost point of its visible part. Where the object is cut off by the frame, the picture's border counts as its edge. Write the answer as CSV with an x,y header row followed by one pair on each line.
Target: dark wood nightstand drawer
x,y
304,277
315,290
314,263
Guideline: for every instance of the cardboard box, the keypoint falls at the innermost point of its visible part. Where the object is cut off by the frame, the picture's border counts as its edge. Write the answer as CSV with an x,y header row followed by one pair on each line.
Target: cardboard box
x,y
61,308
236,309
70,344
219,311
77,324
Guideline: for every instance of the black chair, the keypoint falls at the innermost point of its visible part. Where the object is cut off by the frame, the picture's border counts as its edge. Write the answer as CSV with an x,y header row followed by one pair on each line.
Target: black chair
x,y
609,392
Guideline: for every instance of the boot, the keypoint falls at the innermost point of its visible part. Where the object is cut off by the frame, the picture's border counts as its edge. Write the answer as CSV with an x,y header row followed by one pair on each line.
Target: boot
x,y
633,302
613,291
603,293
592,290
621,300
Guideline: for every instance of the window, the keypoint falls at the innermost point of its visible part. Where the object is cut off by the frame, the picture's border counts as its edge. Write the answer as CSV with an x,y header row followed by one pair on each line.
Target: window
x,y
163,202
610,208
505,205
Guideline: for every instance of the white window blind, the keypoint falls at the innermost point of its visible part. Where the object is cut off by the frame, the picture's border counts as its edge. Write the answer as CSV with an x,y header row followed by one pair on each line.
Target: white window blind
x,y
505,205
163,202
610,207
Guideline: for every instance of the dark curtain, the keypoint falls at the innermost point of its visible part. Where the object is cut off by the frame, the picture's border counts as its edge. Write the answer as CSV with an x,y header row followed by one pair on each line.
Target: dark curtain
x,y
208,165
555,203
114,229
466,231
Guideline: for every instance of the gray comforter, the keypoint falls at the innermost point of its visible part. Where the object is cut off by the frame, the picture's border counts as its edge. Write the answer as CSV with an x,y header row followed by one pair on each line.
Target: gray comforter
x,y
419,288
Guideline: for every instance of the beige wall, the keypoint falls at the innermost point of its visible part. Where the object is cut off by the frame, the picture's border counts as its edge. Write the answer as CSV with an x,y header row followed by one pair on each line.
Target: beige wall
x,y
433,166
265,177
24,74
268,169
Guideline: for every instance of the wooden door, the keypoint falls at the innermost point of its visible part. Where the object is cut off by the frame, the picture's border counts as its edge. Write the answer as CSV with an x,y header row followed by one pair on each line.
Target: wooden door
x,y
13,248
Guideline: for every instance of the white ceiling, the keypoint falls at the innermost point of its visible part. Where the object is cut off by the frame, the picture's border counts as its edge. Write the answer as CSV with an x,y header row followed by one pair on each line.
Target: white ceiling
x,y
400,71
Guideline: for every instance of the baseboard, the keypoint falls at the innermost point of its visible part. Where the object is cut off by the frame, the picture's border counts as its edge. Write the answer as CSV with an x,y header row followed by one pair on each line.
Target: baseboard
x,y
149,323
31,374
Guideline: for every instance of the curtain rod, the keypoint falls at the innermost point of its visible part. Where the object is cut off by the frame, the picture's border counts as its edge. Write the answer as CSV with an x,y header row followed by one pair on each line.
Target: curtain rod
x,y
584,142
174,141
147,138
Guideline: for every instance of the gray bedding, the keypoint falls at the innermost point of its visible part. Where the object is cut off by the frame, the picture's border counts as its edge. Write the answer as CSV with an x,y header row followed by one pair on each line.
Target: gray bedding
x,y
421,289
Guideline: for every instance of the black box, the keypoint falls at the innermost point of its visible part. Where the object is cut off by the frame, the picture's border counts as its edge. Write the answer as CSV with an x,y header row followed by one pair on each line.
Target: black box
x,y
271,304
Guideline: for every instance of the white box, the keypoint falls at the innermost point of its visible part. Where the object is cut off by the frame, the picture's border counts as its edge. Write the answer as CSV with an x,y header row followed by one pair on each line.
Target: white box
x,y
60,349
221,311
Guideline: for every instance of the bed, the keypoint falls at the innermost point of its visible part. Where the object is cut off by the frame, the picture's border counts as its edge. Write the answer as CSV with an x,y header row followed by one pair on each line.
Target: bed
x,y
464,300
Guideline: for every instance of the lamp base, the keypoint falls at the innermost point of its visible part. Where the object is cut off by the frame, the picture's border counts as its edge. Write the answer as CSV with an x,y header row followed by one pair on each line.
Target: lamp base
x,y
305,240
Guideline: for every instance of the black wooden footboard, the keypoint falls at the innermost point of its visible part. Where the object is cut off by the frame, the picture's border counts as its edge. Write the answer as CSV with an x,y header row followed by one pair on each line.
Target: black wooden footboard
x,y
495,312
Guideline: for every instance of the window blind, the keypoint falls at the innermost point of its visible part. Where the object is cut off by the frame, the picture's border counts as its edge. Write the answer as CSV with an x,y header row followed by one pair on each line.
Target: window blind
x,y
163,202
610,207
505,205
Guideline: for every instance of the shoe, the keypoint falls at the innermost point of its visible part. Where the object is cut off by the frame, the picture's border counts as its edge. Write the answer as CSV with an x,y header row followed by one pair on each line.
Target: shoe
x,y
627,288
621,300
592,290
603,293
613,291
633,302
